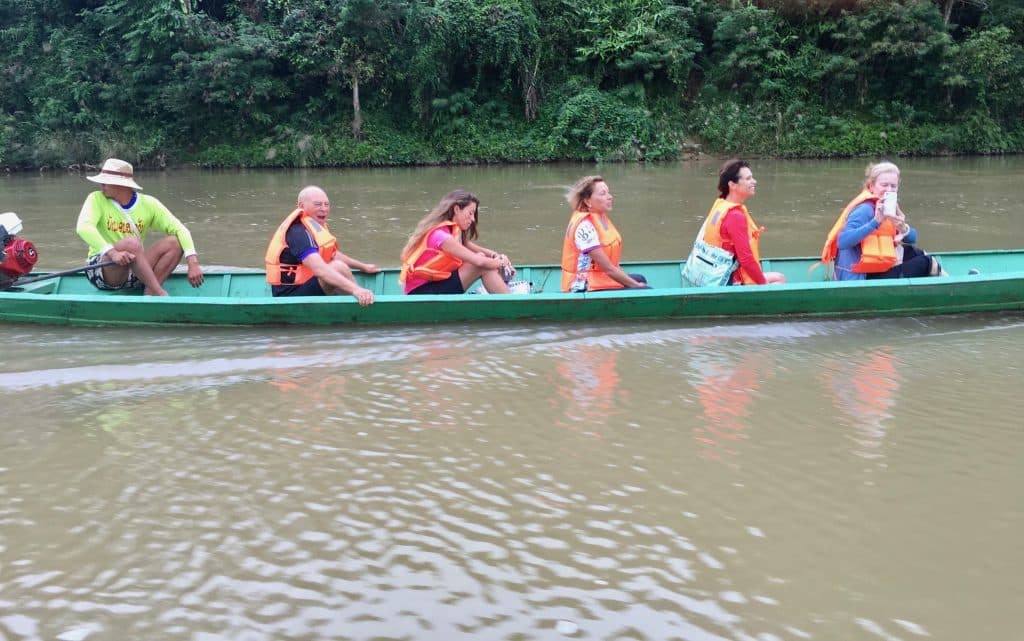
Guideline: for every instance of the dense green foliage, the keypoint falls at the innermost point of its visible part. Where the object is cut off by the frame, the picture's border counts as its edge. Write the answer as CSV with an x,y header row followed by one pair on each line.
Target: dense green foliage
x,y
372,82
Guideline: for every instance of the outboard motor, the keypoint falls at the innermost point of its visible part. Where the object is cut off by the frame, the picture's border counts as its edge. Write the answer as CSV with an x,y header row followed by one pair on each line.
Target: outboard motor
x,y
17,255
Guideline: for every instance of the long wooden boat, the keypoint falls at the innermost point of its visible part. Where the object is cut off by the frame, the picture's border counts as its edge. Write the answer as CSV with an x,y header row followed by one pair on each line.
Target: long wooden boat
x,y
979,281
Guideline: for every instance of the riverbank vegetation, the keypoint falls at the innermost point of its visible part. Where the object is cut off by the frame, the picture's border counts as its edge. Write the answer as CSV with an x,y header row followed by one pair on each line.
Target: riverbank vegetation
x,y
378,82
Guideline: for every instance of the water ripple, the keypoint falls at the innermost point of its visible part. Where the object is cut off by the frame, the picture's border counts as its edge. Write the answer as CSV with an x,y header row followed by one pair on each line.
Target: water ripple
x,y
626,481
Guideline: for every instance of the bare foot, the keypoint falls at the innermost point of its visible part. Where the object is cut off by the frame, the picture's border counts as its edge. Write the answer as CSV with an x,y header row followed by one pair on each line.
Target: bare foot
x,y
158,292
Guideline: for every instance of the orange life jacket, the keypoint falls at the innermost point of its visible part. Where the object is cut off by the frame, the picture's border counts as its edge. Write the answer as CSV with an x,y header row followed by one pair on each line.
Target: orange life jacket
x,y
279,273
611,243
713,234
439,265
877,250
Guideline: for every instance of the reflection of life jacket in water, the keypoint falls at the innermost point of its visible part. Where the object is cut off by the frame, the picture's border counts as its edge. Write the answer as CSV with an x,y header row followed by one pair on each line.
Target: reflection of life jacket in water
x,y
590,382
590,388
279,273
877,250
310,390
725,400
726,384
438,265
868,394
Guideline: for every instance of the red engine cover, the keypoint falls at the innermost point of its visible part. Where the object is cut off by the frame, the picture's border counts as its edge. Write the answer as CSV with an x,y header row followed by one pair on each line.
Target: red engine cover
x,y
21,256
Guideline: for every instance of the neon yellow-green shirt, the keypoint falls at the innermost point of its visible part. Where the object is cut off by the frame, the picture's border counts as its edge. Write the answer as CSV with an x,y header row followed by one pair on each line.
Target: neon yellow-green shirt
x,y
102,222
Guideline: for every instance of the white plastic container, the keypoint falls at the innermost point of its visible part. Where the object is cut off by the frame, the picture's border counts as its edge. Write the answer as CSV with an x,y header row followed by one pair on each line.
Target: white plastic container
x,y
889,203
10,221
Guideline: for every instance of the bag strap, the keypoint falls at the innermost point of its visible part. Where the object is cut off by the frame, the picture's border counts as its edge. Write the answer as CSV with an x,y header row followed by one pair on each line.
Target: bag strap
x,y
700,234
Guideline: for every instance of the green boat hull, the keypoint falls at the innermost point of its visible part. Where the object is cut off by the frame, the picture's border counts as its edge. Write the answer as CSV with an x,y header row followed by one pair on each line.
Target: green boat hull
x,y
243,298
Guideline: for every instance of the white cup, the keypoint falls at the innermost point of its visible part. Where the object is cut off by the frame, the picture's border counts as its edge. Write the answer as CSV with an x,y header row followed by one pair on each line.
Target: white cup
x,y
889,203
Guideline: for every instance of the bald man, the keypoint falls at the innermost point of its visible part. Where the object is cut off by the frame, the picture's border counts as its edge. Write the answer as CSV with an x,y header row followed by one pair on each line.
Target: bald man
x,y
303,258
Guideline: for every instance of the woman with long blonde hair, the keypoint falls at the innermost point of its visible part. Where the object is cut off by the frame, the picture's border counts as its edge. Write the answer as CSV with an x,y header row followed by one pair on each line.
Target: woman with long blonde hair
x,y
442,256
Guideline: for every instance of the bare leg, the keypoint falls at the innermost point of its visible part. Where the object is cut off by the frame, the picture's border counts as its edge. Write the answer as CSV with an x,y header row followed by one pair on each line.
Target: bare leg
x,y
156,257
936,269
344,271
491,278
117,274
335,291
163,256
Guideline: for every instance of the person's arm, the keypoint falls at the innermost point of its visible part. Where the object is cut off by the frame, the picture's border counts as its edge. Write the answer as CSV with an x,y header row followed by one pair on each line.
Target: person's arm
x,y
195,272
587,242
904,232
88,228
169,224
505,262
366,268
910,236
909,233
734,228
456,249
862,221
334,278
600,258
301,246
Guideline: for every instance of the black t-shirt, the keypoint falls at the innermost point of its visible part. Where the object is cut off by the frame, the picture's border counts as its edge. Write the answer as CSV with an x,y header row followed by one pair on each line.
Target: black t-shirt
x,y
300,246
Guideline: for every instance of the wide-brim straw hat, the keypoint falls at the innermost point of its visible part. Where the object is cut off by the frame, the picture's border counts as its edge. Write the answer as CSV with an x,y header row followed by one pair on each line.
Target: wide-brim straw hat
x,y
116,172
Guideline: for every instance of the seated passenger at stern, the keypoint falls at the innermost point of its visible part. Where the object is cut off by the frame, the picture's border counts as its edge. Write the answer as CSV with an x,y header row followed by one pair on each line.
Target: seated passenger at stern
x,y
303,258
592,245
730,227
868,242
114,222
441,256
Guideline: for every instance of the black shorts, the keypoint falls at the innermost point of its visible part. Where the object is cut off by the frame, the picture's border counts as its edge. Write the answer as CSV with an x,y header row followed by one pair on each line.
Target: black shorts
x,y
95,277
309,288
450,285
915,264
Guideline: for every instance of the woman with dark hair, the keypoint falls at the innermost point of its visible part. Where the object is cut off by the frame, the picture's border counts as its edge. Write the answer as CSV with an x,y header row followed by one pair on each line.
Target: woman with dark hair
x,y
730,230
441,257
592,245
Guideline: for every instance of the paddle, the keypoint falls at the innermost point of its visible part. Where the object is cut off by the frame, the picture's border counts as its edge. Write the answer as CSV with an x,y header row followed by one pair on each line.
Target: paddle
x,y
66,272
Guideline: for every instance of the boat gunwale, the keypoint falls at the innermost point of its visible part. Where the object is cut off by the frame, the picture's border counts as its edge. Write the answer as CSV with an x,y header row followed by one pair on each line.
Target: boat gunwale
x,y
36,290
987,292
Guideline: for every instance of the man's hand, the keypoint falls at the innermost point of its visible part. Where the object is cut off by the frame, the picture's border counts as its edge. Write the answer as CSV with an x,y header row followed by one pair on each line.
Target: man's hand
x,y
363,295
195,272
369,268
121,257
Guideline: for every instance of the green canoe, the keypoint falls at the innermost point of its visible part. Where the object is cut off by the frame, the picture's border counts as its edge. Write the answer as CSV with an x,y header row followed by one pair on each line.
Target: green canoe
x,y
979,281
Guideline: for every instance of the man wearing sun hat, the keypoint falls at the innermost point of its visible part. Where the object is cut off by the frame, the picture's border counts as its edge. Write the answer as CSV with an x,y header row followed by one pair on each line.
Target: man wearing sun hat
x,y
114,221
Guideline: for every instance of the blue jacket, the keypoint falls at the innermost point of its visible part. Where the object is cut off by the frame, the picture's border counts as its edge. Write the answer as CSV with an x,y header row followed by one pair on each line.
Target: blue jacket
x,y
859,224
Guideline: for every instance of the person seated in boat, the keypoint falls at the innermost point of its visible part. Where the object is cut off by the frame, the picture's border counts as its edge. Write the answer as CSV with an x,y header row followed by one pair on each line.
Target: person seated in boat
x,y
729,227
592,245
114,222
303,258
867,243
442,256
